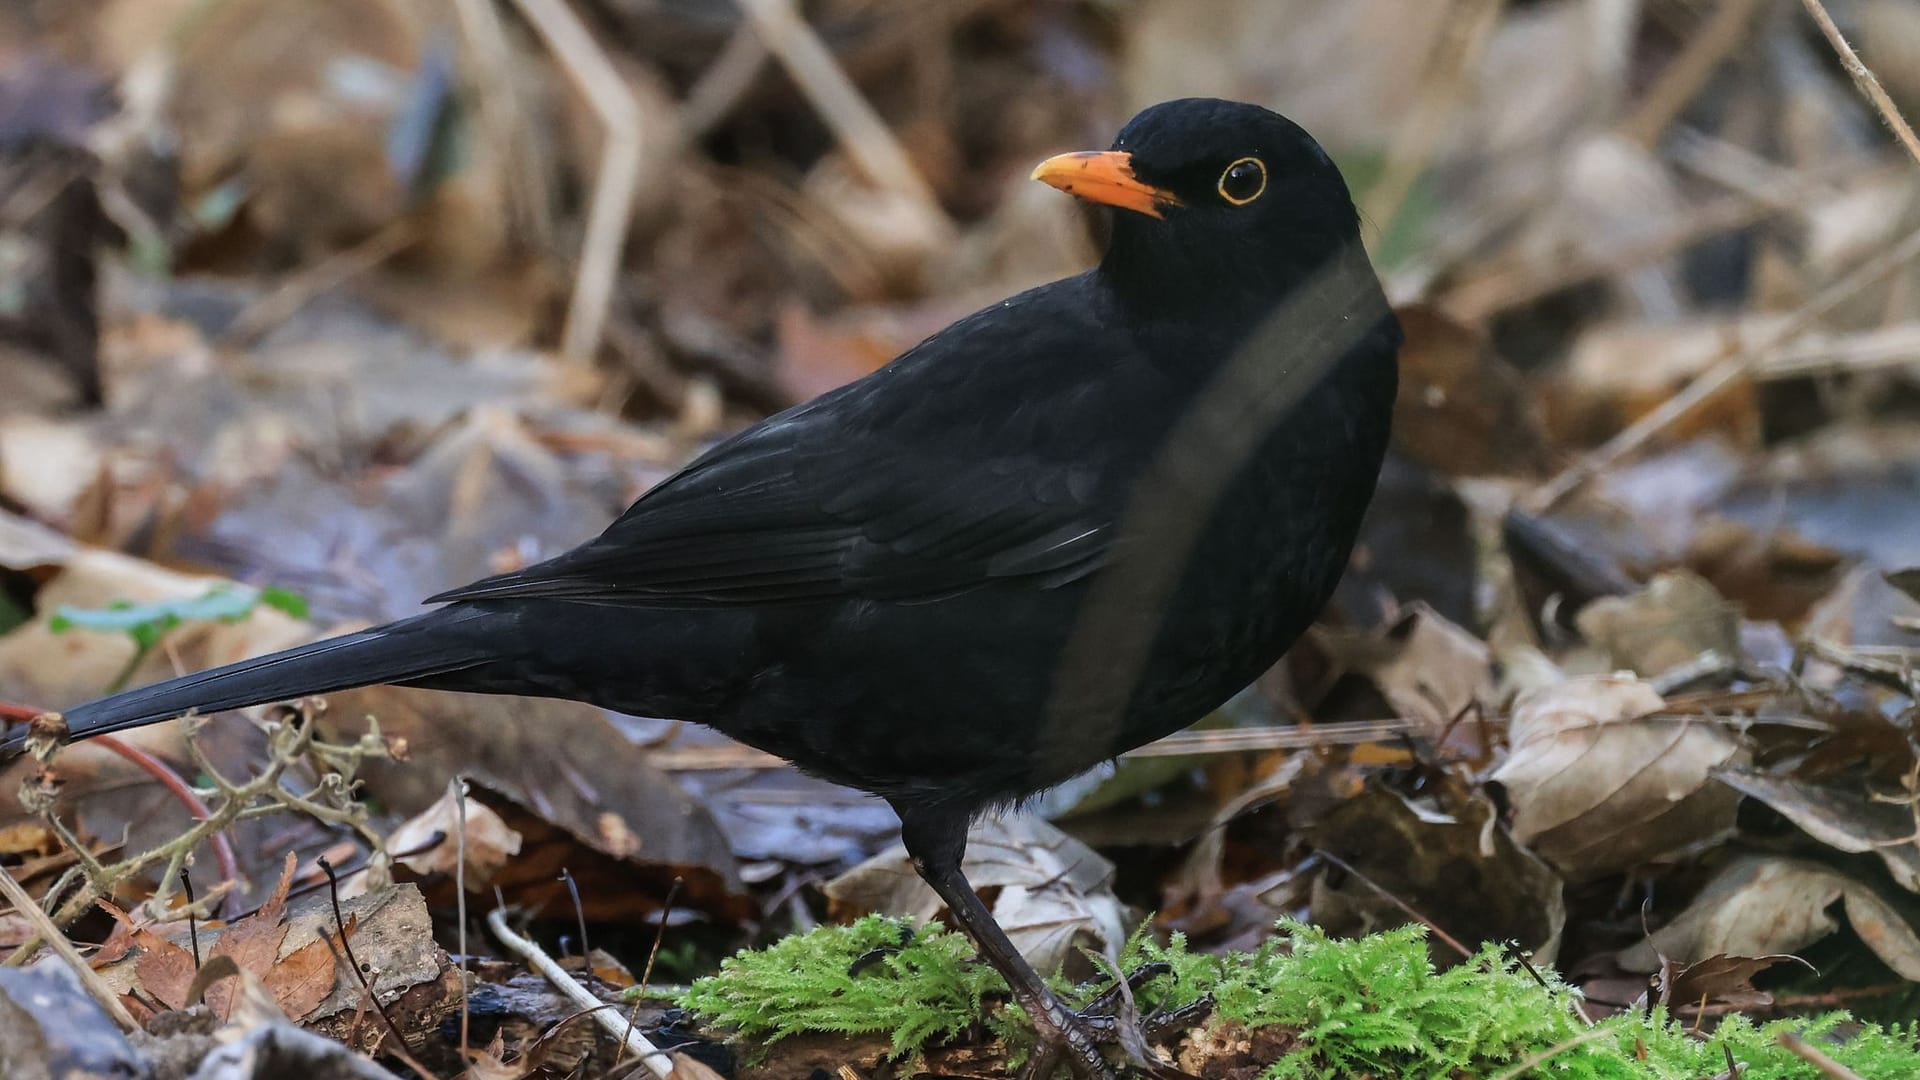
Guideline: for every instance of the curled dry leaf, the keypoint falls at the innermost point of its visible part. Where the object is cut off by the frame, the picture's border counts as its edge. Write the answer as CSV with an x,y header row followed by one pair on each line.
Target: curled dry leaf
x,y
1676,619
489,842
1758,905
1601,781
1054,892
1724,980
1844,820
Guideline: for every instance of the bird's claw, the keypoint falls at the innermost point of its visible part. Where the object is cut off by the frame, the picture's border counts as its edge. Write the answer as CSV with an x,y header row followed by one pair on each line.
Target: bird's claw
x,y
1075,1039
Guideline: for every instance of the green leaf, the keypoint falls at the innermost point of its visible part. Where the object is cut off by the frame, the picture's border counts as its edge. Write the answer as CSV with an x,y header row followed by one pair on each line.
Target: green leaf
x,y
147,623
285,600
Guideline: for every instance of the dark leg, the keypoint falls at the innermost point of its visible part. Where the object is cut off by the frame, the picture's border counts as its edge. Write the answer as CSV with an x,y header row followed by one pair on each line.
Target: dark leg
x,y
937,842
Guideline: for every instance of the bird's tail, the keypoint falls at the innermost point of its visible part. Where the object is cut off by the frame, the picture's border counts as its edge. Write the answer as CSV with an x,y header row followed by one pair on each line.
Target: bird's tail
x,y
432,644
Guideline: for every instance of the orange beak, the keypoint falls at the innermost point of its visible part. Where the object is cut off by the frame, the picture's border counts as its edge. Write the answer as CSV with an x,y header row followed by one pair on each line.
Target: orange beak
x,y
1106,177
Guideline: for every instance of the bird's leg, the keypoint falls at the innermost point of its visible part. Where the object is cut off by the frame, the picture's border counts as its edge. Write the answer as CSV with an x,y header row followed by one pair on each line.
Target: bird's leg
x,y
937,842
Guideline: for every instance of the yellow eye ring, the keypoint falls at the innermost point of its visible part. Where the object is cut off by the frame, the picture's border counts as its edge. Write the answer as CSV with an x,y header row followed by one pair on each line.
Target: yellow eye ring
x,y
1233,184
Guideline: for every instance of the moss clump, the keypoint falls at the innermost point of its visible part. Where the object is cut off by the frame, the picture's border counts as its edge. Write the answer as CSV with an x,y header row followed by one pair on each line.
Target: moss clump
x,y
875,977
1368,1007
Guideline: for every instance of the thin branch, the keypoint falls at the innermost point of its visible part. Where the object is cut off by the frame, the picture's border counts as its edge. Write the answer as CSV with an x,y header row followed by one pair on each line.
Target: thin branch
x,y
1682,80
89,978
177,785
1541,1057
1813,1056
841,105
1863,78
610,208
658,1061
1738,363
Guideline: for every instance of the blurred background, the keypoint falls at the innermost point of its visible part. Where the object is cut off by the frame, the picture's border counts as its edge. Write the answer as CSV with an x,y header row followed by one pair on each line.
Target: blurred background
x,y
349,302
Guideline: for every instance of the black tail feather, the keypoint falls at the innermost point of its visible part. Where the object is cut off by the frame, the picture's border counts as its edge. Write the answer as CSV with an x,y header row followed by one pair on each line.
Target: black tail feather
x,y
431,644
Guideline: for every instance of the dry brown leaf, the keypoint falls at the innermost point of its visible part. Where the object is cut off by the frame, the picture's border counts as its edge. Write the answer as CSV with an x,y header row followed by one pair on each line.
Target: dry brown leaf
x,y
1841,819
165,970
489,842
1724,980
302,979
1759,905
580,794
253,943
1676,619
1462,410
1601,781
1437,672
1442,854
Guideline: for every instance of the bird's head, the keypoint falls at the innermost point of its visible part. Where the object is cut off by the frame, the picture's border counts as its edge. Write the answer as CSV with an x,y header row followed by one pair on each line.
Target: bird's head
x,y
1215,200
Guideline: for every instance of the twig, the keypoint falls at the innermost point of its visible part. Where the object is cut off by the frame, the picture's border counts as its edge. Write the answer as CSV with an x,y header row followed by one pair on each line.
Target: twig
x,y
263,794
299,290
1737,363
610,207
714,94
1541,1057
502,116
841,105
1812,1055
646,973
579,914
1683,79
1405,908
1179,744
1466,30
89,978
175,783
657,1060
1863,78
193,919
457,787
400,1048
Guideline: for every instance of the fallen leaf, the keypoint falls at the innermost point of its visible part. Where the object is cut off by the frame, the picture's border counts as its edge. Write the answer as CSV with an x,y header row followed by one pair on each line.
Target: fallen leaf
x,y
1445,857
1841,819
303,978
489,842
1054,893
1758,905
1600,780
1674,620
1721,980
165,970
580,795
1462,409
253,943
1435,670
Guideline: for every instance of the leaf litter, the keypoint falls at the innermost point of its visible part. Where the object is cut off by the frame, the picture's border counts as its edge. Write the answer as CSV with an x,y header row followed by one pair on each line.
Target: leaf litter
x,y
1650,721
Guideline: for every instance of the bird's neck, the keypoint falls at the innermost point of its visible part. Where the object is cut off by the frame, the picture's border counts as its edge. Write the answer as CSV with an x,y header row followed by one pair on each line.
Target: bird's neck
x,y
1183,307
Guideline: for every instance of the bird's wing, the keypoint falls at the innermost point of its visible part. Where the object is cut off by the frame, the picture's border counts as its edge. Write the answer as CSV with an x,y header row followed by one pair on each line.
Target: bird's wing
x,y
976,459
760,522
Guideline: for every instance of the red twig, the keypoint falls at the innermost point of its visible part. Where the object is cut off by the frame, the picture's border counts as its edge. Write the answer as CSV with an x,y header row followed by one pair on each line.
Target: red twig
x,y
181,790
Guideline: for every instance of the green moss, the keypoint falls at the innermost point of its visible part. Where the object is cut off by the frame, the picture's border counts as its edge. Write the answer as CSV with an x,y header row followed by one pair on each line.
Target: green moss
x,y
875,977
1368,1007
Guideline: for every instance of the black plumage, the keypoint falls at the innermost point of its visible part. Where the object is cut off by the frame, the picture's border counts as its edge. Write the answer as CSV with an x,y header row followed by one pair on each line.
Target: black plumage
x,y
915,584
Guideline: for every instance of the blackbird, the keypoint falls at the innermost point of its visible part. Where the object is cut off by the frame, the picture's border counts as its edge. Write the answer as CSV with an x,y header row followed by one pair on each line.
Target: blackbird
x,y
1062,527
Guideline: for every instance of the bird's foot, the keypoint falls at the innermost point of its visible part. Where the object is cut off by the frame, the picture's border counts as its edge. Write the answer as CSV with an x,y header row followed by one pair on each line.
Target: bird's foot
x,y
1075,1039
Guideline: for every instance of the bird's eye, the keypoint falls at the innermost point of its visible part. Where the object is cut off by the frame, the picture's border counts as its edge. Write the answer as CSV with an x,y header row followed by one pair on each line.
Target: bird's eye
x,y
1244,181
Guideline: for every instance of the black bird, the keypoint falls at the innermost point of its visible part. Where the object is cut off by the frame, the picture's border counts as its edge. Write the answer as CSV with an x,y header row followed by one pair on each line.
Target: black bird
x,y
1058,529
